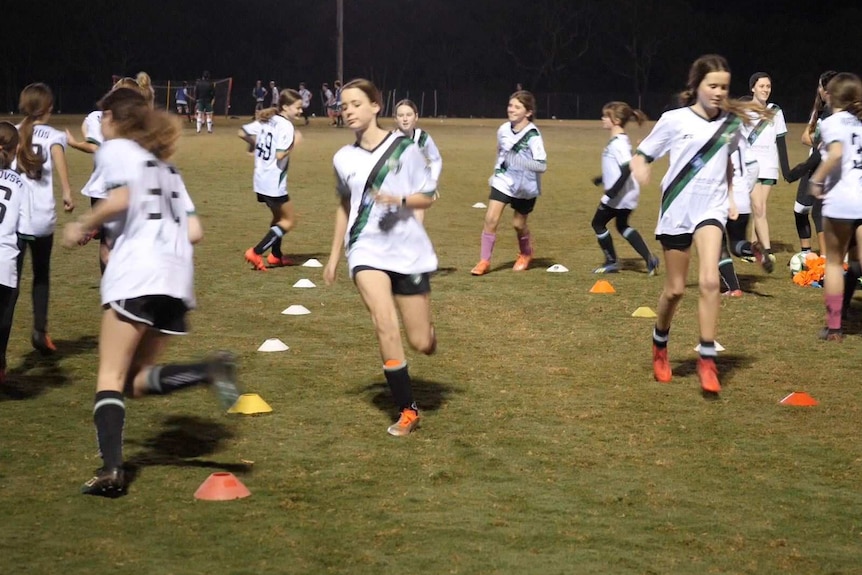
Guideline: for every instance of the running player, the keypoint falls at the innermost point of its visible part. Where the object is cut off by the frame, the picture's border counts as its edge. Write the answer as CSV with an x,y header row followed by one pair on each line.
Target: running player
x,y
147,288
382,179
272,138
41,156
521,159
621,191
406,116
699,137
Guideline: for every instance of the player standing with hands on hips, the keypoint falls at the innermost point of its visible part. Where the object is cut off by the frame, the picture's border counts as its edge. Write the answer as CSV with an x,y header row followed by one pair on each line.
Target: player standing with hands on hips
x,y
381,180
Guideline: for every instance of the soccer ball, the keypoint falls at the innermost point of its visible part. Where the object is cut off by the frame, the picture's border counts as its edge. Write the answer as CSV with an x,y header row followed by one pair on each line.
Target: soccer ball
x,y
797,263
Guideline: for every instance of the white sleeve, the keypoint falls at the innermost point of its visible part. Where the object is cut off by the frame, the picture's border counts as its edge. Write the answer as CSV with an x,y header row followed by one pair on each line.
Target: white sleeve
x,y
829,132
657,143
419,179
58,139
537,148
114,169
780,124
284,137
434,159
252,128
93,127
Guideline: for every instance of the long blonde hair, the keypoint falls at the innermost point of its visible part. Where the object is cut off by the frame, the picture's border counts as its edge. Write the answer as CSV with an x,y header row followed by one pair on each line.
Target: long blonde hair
x,y
36,102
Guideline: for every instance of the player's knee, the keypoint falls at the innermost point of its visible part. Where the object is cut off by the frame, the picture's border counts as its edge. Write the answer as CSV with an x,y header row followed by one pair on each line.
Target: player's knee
x,y
709,283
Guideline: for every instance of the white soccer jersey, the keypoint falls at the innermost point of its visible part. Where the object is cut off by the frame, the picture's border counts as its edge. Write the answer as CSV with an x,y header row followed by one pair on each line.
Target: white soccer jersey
x,y
617,154
702,196
512,181
761,135
305,94
844,187
40,217
429,150
745,170
274,135
380,236
152,254
95,187
13,194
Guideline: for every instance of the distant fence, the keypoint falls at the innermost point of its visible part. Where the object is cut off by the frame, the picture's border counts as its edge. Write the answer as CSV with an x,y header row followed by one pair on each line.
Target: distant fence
x,y
80,99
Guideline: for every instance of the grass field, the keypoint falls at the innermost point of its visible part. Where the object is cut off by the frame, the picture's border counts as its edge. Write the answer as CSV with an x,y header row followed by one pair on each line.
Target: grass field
x,y
546,446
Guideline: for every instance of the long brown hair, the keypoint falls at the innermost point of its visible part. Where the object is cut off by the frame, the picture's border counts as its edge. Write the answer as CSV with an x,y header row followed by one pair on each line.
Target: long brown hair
x,y
154,130
819,104
623,113
286,97
8,144
36,102
715,63
845,93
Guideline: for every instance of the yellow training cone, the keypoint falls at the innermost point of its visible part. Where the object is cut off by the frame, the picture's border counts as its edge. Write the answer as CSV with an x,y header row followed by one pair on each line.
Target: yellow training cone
x,y
250,404
644,312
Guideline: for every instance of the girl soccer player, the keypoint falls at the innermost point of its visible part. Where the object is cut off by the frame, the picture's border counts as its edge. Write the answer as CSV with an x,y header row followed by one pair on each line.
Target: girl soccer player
x,y
382,180
406,116
837,182
13,200
805,202
147,288
521,158
766,141
699,137
94,189
745,171
41,155
621,191
271,138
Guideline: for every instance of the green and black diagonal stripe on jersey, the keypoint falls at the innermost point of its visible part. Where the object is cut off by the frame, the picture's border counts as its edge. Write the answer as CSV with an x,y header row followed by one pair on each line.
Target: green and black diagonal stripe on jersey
x,y
699,160
521,144
758,129
423,137
375,179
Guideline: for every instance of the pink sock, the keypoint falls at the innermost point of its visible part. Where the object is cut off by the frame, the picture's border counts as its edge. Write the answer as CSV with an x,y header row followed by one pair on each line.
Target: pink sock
x,y
525,245
833,310
487,246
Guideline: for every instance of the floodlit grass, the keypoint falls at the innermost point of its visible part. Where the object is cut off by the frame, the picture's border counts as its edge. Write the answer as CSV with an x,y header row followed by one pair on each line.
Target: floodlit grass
x,y
546,446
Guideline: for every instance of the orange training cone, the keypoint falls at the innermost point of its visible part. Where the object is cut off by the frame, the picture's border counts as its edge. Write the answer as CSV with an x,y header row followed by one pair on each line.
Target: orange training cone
x,y
221,486
799,399
602,286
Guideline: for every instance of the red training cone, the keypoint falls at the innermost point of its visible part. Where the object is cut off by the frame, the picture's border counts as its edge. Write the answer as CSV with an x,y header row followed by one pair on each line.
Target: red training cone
x,y
221,486
799,399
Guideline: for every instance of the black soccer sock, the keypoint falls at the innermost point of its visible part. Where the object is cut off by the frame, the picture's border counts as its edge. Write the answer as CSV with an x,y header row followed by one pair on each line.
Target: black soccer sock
x,y
742,249
803,226
276,248
109,415
707,350
274,233
606,242
399,384
728,274
659,337
165,379
637,242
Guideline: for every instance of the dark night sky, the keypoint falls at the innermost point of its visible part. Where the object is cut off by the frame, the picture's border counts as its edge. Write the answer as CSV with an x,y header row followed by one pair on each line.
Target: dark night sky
x,y
471,51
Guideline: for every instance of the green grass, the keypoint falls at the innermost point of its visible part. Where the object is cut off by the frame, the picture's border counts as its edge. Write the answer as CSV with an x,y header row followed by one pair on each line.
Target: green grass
x,y
546,446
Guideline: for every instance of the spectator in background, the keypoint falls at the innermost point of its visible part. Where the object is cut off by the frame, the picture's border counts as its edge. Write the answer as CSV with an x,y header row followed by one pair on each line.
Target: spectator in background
x,y
205,95
339,121
328,103
306,96
182,100
259,95
273,94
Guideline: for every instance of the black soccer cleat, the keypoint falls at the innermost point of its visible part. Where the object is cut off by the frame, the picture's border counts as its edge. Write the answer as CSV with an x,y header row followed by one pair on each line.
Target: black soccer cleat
x,y
110,483
42,343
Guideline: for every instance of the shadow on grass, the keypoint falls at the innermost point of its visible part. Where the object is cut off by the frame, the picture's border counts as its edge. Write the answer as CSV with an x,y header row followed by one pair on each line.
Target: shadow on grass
x,y
779,247
182,440
728,364
441,272
38,372
429,395
746,282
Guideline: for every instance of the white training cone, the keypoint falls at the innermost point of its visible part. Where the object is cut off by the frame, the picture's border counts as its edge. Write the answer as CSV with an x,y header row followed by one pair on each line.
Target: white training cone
x,y
479,205
312,263
718,347
296,310
558,269
304,283
273,344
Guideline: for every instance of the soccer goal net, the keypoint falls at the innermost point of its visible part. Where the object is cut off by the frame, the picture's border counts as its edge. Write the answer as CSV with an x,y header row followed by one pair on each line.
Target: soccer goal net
x,y
166,94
